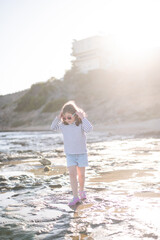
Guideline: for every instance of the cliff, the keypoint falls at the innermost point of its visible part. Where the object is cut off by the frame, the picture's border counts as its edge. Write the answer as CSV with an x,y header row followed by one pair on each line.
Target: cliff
x,y
110,98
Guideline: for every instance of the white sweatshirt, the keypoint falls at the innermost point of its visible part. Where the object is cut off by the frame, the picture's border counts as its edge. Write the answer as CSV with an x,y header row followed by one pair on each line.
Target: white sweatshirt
x,y
74,137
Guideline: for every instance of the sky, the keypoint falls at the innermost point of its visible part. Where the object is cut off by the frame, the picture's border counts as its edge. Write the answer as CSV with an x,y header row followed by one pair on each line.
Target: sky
x,y
36,35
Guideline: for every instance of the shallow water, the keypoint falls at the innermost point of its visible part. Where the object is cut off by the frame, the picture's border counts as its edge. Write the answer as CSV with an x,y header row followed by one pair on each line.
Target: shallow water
x,y
122,184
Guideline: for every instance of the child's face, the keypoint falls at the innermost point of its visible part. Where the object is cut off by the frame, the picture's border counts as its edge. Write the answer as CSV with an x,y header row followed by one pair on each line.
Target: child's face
x,y
68,117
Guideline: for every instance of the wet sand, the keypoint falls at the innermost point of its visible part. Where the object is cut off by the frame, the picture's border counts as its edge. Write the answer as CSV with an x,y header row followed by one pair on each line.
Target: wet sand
x,y
122,184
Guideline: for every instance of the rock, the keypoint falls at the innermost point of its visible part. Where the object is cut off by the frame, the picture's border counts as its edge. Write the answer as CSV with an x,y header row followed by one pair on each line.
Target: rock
x,y
3,184
58,150
14,178
2,178
18,187
55,185
47,169
3,158
45,162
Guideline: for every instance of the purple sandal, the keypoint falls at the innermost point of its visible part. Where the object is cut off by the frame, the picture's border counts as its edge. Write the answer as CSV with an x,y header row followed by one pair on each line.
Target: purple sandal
x,y
74,201
82,195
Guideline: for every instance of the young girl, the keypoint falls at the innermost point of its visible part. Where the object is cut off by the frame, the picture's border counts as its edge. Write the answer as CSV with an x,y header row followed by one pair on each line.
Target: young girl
x,y
74,125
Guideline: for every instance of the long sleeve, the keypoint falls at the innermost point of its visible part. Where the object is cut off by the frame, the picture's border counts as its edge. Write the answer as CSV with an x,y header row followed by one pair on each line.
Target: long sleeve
x,y
86,125
55,126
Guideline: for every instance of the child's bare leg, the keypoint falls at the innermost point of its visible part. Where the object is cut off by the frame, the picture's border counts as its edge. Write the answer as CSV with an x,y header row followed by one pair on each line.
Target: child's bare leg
x,y
73,180
81,177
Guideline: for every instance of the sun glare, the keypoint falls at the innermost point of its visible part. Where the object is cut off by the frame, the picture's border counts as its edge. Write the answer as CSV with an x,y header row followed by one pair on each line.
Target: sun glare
x,y
134,24
149,215
133,46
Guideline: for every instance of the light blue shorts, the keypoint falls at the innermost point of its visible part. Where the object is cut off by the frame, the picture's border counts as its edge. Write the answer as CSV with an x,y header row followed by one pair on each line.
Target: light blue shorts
x,y
80,160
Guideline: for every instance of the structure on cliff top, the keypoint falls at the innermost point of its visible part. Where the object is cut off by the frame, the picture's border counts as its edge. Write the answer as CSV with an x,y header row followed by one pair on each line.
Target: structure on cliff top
x,y
93,53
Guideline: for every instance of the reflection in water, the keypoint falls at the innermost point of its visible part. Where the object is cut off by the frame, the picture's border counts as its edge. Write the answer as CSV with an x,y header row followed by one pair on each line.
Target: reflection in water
x,y
122,185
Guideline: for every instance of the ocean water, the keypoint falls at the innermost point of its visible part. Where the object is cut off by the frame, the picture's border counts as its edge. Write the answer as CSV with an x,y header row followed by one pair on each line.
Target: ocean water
x,y
122,185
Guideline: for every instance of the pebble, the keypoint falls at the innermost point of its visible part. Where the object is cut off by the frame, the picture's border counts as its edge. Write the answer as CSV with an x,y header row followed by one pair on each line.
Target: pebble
x,y
45,162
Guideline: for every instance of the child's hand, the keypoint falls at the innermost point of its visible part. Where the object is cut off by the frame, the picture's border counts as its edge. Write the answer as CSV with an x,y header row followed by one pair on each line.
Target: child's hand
x,y
80,114
60,115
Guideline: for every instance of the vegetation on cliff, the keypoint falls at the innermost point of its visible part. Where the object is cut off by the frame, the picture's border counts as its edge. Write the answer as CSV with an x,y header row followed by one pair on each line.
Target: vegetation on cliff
x,y
107,96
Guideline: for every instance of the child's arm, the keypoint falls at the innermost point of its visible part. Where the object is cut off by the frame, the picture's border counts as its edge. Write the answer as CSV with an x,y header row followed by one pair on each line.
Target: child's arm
x,y
55,126
86,125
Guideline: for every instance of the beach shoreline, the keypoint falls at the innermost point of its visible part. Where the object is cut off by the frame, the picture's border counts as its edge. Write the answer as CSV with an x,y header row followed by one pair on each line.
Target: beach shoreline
x,y
147,128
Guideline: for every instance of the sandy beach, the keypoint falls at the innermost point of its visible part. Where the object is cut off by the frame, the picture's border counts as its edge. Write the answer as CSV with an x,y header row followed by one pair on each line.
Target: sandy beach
x,y
122,185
